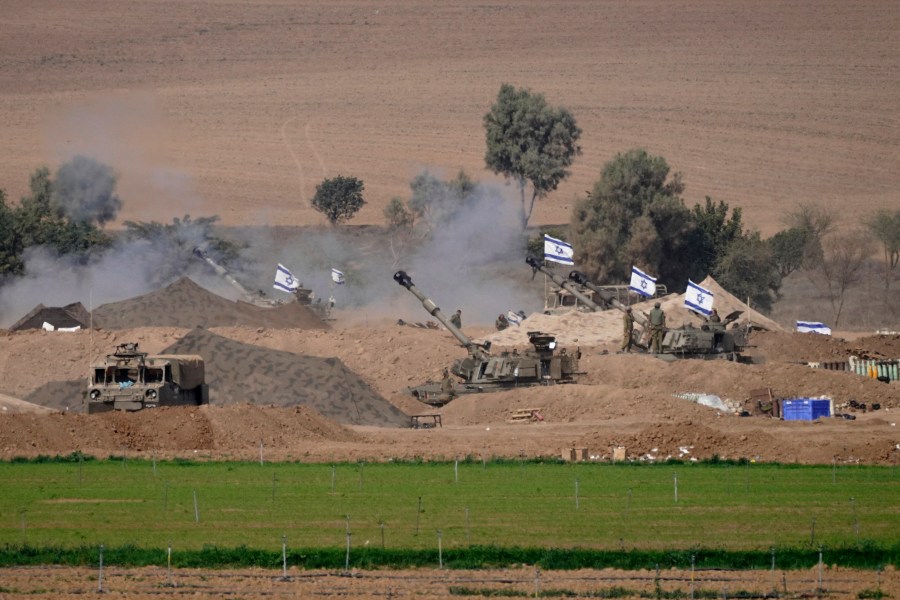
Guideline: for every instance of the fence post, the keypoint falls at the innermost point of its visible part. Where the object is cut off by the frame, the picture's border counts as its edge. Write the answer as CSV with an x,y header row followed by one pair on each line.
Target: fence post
x,y
100,574
347,558
169,566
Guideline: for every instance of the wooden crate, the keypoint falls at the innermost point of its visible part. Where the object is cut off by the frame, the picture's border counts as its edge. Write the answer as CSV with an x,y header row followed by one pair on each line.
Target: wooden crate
x,y
526,415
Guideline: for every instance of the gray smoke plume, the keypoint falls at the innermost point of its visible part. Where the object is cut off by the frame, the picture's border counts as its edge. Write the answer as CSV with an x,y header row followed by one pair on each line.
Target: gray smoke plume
x,y
474,260
85,191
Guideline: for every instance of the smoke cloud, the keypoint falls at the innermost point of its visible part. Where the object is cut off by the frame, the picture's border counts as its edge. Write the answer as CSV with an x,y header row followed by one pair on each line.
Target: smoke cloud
x,y
473,261
85,190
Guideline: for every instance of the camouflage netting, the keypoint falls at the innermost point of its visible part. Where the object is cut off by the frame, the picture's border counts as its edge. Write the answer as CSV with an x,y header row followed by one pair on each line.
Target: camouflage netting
x,y
242,373
60,395
186,304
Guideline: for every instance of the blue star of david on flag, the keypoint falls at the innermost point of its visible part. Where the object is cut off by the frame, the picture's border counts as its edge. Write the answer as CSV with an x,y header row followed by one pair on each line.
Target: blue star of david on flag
x,y
558,251
698,298
641,283
285,280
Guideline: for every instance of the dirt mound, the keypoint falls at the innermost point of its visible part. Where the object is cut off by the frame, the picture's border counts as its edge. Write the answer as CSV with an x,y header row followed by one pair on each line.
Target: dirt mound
x,y
814,347
240,373
187,304
174,431
242,426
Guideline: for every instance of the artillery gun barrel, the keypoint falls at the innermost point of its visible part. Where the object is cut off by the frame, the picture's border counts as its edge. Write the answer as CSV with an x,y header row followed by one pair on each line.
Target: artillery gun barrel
x,y
536,265
579,278
202,255
403,279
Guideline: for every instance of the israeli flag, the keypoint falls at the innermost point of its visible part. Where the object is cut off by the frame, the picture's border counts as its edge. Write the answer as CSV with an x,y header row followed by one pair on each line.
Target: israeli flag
x,y
337,276
698,298
514,318
813,327
558,251
285,280
642,283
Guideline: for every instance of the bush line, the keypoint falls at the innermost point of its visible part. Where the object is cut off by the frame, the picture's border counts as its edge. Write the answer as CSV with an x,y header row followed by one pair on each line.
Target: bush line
x,y
866,556
470,459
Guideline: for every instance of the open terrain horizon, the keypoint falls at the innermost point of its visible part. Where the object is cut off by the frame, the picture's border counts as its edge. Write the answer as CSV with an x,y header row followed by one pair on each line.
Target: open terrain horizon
x,y
239,110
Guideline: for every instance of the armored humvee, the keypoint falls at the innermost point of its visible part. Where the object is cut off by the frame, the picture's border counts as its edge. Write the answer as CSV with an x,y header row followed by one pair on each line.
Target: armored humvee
x,y
131,380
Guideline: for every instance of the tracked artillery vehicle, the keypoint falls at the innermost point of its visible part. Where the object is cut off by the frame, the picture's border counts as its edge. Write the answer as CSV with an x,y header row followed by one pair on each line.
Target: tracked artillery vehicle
x,y
130,380
303,295
569,296
710,340
482,371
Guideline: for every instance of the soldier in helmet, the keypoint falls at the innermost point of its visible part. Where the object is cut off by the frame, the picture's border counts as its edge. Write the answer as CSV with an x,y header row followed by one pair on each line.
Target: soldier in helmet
x,y
628,322
714,317
502,322
456,319
448,392
657,326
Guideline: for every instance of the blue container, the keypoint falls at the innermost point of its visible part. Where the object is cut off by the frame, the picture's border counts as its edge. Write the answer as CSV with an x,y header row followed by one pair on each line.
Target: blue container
x,y
805,409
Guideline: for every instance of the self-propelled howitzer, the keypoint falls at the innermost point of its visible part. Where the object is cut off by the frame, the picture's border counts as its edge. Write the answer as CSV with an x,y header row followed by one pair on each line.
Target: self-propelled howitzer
x,y
570,287
712,339
482,371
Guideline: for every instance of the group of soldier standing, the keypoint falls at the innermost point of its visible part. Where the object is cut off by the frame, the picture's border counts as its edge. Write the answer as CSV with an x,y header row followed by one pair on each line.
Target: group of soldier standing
x,y
657,328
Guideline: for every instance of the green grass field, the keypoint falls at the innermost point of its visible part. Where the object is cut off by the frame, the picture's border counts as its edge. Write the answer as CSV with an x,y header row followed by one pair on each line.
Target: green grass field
x,y
404,506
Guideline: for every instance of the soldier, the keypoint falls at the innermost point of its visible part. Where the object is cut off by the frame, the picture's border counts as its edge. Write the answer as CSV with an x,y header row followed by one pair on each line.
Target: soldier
x,y
501,323
628,322
714,317
456,319
657,325
447,390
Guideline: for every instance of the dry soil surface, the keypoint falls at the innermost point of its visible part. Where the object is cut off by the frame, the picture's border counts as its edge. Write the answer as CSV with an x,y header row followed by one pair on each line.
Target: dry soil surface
x,y
240,109
440,583
621,400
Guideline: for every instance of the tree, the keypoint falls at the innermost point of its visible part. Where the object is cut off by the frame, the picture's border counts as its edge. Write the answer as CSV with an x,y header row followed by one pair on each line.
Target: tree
x,y
10,248
817,222
790,249
40,220
885,227
841,265
530,142
634,216
85,191
715,233
747,269
397,216
339,198
434,202
400,221
174,243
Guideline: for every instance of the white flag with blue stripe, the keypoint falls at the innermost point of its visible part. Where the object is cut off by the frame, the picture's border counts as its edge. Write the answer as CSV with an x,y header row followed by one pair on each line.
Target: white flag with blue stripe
x,y
337,276
642,283
514,318
698,298
813,327
558,251
285,280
